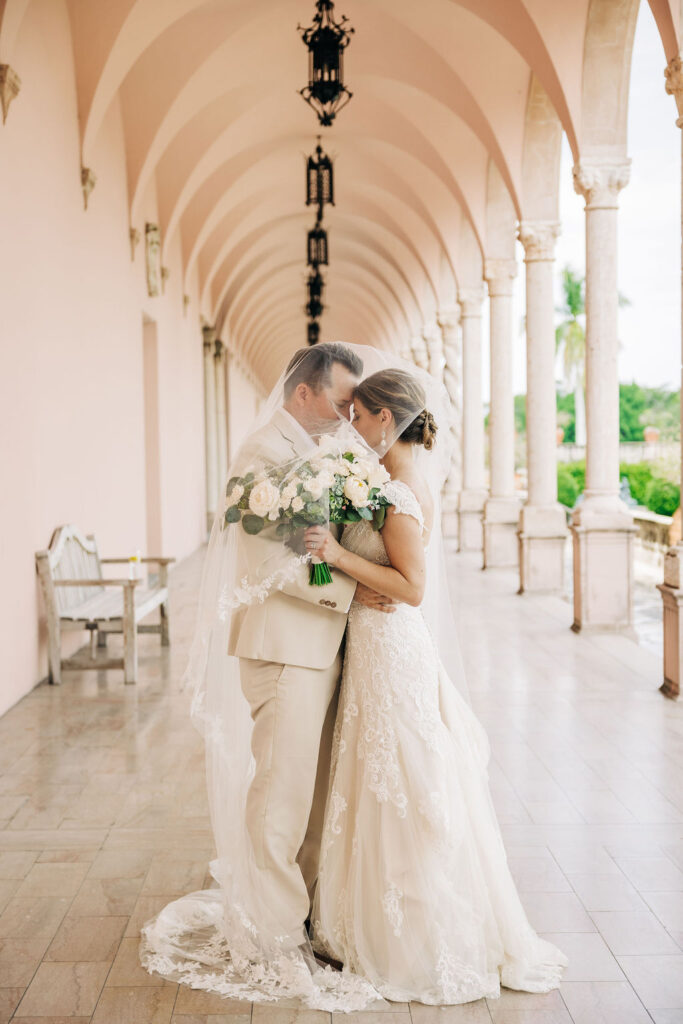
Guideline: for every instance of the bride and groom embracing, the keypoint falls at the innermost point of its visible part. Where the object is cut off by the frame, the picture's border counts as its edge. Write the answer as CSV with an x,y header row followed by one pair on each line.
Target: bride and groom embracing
x,y
358,850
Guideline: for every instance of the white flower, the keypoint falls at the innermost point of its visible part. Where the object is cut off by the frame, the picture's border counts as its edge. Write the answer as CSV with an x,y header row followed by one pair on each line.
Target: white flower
x,y
326,478
341,466
356,491
274,514
263,498
378,476
361,468
235,494
297,504
329,444
315,487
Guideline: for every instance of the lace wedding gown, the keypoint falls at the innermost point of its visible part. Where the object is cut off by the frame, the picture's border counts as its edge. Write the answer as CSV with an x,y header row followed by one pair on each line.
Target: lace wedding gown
x,y
414,891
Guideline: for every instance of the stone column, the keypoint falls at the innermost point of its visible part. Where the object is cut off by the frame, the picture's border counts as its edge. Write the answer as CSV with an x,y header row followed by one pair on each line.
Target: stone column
x,y
435,355
473,493
210,433
501,510
418,347
543,521
449,324
221,415
602,525
672,587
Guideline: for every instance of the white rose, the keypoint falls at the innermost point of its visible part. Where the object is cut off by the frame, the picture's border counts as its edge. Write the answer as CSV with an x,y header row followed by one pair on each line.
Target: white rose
x,y
378,476
341,466
315,487
356,491
360,467
263,498
326,478
297,504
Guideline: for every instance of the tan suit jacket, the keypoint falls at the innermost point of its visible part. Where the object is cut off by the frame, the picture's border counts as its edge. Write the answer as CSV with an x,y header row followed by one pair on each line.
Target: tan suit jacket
x,y
300,624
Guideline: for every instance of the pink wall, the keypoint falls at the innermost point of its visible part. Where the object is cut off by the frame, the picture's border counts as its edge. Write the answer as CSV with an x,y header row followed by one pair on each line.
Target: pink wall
x,y
72,423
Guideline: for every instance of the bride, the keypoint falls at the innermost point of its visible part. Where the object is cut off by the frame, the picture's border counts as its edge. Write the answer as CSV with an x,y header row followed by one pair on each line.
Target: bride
x,y
414,891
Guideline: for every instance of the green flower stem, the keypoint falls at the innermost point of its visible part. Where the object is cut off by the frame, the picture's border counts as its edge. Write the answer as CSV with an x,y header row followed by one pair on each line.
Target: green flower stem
x,y
320,574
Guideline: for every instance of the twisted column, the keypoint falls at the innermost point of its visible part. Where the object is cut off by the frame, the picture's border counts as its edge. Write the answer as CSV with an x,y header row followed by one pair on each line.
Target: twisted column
x,y
602,525
542,526
501,510
473,494
449,324
210,431
221,414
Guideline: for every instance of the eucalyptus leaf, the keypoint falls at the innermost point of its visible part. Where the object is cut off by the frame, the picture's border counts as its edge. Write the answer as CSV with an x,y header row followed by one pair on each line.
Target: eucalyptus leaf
x,y
233,514
253,524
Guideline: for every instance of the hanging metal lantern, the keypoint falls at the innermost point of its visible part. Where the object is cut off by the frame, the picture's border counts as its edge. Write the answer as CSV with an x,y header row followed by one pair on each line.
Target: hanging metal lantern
x,y
319,179
313,332
315,285
318,253
326,40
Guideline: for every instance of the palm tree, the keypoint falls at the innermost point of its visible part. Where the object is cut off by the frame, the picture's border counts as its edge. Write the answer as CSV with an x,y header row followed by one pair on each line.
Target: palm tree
x,y
570,337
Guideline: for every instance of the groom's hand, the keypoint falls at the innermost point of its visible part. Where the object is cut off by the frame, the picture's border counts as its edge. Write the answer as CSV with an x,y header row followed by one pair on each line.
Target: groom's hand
x,y
371,599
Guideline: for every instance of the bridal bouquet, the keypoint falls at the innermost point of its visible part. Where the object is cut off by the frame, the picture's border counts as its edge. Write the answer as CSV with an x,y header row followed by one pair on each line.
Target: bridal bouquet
x,y
341,482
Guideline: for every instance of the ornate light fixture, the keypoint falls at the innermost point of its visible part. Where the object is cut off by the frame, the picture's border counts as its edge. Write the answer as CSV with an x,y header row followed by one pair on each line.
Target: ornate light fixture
x,y
319,180
326,40
318,252
315,285
313,332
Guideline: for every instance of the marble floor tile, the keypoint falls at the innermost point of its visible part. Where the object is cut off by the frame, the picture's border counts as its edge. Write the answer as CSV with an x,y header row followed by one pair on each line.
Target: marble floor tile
x,y
135,1005
103,800
658,980
63,988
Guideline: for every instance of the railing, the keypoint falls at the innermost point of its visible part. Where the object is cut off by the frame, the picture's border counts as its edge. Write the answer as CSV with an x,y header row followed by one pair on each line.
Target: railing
x,y
629,451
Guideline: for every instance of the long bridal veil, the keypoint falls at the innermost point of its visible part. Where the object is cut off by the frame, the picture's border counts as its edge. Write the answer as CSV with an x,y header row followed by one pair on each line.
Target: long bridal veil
x,y
233,938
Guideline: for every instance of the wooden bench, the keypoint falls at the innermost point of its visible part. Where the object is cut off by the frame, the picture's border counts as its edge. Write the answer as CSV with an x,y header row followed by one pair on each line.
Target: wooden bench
x,y
77,596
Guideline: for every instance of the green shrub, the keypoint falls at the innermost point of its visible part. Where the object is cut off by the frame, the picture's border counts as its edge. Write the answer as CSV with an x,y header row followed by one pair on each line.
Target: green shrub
x,y
639,475
578,471
662,497
567,488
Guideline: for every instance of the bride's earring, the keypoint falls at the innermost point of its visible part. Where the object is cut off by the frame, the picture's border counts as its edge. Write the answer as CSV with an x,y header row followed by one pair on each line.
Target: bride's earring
x,y
383,442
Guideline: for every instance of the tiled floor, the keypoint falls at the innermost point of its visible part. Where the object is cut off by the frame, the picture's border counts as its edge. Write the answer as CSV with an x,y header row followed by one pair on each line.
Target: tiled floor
x,y
104,819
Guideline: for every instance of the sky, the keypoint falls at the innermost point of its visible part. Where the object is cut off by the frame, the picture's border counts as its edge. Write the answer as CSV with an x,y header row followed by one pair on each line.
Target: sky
x,y
649,261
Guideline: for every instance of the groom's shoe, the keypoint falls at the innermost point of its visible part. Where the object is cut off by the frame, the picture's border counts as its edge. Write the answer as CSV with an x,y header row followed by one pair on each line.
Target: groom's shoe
x,y
324,959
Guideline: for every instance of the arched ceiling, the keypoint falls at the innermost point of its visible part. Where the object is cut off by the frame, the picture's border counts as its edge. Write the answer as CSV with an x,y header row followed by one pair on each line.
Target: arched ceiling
x,y
445,96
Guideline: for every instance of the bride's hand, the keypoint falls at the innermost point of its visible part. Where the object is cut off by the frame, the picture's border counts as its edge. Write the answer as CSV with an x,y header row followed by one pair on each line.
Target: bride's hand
x,y
320,542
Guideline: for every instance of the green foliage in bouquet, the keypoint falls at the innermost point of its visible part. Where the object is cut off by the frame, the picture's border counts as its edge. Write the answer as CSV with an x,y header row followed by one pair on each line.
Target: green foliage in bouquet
x,y
332,486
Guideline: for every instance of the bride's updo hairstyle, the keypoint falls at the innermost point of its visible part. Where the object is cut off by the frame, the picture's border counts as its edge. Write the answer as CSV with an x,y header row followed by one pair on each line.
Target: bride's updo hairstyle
x,y
400,393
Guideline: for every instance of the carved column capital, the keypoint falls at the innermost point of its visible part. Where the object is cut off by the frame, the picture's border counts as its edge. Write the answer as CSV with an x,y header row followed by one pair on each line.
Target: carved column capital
x,y
88,181
418,347
673,74
219,348
152,247
209,336
601,181
134,236
538,238
499,275
470,300
10,84
448,319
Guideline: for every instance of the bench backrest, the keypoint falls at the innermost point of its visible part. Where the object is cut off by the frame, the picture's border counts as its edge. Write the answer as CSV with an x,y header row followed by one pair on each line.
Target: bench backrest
x,y
71,555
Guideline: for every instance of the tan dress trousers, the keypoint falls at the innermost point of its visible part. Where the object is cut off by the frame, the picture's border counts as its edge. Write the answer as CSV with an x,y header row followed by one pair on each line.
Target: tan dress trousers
x,y
293,710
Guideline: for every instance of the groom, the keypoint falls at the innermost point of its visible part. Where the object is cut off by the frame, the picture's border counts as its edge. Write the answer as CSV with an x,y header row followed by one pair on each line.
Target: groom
x,y
289,648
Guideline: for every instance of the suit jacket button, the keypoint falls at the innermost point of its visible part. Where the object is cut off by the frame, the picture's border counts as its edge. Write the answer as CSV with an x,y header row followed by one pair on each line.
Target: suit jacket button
x,y
333,604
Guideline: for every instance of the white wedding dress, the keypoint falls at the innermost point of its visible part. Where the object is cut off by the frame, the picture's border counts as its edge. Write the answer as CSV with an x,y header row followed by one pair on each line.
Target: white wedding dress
x,y
414,892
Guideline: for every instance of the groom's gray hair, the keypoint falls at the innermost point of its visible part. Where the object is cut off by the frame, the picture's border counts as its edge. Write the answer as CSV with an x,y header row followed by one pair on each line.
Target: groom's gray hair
x,y
313,365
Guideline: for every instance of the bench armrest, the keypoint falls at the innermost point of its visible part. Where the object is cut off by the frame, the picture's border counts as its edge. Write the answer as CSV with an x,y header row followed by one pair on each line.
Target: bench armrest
x,y
160,561
97,582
